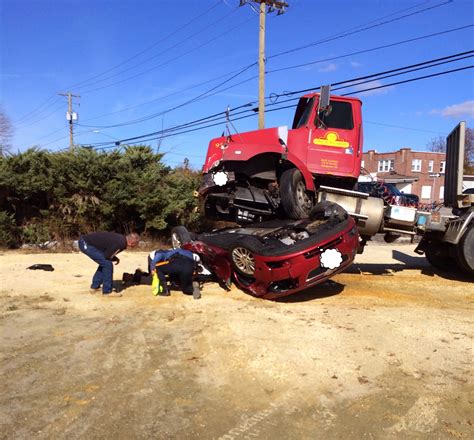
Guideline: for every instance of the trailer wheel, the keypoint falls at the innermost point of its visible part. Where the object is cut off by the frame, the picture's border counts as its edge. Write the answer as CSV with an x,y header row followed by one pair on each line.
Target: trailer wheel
x,y
439,258
295,199
242,254
465,251
179,236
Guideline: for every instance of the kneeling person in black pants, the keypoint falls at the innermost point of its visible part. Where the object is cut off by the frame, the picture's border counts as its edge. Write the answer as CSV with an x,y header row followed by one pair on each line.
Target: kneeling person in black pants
x,y
179,265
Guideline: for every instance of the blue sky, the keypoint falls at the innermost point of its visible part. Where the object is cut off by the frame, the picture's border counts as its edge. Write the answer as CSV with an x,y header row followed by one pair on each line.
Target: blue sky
x,y
138,59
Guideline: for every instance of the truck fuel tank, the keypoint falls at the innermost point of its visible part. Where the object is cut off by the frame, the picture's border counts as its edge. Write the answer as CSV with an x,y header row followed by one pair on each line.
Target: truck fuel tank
x,y
367,211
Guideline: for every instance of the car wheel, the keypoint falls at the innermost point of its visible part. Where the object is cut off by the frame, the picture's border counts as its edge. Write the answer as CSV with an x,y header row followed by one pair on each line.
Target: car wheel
x,y
179,236
242,254
295,199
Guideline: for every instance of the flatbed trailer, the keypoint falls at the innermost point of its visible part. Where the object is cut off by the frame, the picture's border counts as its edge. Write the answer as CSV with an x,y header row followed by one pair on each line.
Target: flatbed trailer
x,y
447,233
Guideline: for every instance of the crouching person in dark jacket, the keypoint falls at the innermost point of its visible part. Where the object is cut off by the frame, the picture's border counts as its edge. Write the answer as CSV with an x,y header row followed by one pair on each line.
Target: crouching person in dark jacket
x,y
103,247
178,265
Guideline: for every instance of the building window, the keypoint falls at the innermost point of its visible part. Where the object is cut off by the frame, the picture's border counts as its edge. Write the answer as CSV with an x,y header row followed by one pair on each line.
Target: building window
x,y
442,166
416,165
430,166
362,164
386,165
426,192
441,193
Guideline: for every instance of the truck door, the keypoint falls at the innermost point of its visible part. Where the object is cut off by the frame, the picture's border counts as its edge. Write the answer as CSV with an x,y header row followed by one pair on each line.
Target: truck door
x,y
334,142
299,136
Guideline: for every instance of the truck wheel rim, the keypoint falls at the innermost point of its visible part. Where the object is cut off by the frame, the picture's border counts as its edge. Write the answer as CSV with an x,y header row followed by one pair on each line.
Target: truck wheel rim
x,y
244,260
302,197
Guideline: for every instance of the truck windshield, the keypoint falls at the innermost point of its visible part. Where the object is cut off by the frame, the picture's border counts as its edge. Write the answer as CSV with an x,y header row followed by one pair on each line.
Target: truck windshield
x,y
303,110
339,117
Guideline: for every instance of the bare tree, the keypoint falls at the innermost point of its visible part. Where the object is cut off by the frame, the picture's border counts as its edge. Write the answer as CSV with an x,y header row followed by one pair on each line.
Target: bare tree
x,y
437,144
6,133
469,152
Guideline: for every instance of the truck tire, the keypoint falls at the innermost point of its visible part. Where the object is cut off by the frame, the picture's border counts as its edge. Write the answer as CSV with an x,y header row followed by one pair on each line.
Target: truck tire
x,y
297,202
179,236
439,258
465,251
242,254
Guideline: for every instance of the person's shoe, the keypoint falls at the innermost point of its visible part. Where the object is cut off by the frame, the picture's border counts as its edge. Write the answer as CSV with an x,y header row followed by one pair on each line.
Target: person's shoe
x,y
196,290
113,294
94,290
164,293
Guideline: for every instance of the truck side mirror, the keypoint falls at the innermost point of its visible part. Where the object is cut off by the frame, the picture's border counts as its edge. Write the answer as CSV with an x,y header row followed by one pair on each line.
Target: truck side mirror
x,y
324,98
324,106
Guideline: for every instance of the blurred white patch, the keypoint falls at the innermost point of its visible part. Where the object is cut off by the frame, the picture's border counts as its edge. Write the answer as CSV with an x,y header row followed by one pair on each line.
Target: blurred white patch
x,y
220,178
331,258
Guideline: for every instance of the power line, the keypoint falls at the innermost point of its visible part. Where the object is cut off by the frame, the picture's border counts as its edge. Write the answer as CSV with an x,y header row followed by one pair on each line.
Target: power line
x,y
211,40
36,109
161,97
216,117
289,106
375,75
151,116
403,128
38,116
156,43
342,35
154,115
410,80
349,83
80,84
398,43
265,5
276,55
35,121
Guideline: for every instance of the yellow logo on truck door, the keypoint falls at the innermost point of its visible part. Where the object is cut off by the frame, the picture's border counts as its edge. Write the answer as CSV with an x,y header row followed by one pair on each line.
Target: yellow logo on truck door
x,y
331,140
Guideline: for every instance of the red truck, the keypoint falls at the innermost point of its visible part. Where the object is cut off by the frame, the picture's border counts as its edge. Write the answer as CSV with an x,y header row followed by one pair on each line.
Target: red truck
x,y
276,172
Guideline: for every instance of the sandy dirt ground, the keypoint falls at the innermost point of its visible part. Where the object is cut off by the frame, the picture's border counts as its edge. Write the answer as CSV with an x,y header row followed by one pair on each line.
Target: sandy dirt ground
x,y
383,351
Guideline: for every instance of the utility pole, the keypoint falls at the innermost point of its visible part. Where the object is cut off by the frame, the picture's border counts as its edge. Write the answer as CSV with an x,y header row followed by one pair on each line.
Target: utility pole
x,y
272,5
71,117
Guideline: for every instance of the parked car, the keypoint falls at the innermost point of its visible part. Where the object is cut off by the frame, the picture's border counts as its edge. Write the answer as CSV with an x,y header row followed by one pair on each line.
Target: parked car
x,y
389,192
279,257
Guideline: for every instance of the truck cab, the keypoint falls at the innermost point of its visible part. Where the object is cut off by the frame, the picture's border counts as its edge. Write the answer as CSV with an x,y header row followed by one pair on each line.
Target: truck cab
x,y
276,172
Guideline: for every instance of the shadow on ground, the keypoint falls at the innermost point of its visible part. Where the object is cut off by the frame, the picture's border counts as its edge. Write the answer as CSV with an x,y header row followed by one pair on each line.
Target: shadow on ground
x,y
404,262
325,290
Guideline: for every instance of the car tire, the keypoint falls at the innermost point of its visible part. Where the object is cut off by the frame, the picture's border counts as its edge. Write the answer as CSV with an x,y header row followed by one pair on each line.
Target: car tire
x,y
242,255
296,201
179,236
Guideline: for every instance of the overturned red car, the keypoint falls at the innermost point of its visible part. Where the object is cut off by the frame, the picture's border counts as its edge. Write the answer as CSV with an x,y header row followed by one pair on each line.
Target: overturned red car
x,y
279,257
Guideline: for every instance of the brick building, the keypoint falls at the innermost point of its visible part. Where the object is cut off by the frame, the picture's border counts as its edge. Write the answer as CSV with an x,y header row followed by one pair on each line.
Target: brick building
x,y
415,172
